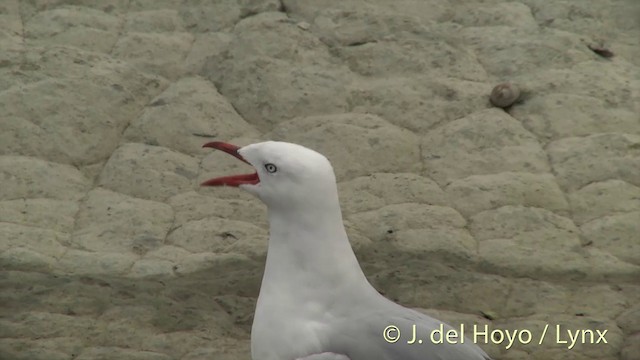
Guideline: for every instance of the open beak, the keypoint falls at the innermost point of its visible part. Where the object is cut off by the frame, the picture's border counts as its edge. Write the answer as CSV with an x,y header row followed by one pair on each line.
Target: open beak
x,y
233,180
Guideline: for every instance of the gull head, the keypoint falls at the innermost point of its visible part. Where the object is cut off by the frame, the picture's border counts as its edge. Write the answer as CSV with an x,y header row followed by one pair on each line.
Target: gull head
x,y
286,175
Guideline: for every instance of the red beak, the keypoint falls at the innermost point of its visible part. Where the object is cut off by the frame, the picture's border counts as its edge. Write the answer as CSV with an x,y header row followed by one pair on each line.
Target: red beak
x,y
233,180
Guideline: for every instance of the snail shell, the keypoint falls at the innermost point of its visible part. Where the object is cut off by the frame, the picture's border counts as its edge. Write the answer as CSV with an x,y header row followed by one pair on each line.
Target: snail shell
x,y
504,95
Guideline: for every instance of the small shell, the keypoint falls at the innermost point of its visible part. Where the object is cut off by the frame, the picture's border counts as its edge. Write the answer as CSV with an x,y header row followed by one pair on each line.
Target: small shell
x,y
303,25
504,95
600,50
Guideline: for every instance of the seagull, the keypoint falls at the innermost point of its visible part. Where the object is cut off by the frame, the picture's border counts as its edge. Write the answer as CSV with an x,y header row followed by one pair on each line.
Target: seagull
x,y
315,303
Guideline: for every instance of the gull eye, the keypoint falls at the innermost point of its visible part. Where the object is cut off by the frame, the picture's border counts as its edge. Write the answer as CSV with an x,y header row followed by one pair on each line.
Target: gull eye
x,y
270,168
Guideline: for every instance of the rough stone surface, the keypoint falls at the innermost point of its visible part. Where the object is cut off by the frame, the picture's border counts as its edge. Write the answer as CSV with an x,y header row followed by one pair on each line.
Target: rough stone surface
x,y
148,172
485,142
513,219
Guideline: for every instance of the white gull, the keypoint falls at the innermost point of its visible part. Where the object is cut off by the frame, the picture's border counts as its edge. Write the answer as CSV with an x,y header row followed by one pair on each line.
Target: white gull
x,y
315,302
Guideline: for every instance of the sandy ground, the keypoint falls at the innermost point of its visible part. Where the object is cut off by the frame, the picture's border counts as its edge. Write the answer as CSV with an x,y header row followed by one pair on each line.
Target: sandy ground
x,y
515,219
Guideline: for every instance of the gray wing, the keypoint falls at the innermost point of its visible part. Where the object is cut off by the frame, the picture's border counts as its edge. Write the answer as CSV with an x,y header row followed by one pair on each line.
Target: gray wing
x,y
361,337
